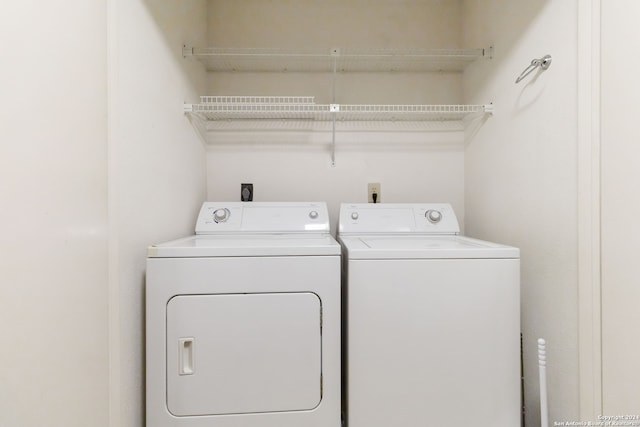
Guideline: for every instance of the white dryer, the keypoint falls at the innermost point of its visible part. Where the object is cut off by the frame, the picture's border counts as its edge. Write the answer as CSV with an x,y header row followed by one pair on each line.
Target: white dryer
x,y
243,320
432,320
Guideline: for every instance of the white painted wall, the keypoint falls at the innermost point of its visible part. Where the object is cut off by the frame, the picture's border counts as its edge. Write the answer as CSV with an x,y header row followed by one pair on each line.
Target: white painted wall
x,y
295,165
520,176
156,169
53,215
620,208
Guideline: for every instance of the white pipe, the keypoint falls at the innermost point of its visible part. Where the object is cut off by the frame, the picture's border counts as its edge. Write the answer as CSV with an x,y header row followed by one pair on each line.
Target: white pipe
x,y
542,368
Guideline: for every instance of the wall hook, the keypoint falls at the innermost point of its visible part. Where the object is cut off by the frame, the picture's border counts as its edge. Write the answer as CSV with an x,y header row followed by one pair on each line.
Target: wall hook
x,y
544,63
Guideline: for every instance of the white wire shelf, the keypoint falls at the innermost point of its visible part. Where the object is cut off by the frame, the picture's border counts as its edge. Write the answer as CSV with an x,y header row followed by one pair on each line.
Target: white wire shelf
x,y
300,113
393,113
258,100
303,108
328,59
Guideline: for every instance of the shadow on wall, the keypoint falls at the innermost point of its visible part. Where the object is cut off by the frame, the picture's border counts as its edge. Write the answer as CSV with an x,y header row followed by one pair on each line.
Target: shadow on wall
x,y
524,158
182,23
504,24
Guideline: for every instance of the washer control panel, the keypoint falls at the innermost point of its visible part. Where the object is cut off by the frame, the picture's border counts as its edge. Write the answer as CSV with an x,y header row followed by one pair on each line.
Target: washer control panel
x,y
393,218
263,217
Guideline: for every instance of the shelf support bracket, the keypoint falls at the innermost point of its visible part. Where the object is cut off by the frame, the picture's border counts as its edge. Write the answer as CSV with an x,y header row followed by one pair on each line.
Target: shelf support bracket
x,y
186,51
335,53
488,52
334,109
489,109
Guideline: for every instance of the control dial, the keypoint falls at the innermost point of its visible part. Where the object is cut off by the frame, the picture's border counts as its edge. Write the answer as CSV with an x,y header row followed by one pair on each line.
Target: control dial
x,y
221,215
313,215
433,216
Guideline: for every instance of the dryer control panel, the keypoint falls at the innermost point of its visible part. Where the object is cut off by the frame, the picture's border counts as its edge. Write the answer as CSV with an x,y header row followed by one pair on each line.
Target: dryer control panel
x,y
263,217
398,218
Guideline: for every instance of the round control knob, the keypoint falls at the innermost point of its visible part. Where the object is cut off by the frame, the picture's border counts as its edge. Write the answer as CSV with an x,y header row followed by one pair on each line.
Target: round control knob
x,y
354,215
313,215
221,215
433,216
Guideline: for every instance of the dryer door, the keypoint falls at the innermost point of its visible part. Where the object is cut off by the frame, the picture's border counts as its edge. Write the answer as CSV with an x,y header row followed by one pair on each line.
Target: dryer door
x,y
243,353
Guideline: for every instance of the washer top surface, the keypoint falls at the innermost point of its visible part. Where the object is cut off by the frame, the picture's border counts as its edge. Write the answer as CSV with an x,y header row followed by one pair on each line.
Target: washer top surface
x,y
410,231
255,229
423,247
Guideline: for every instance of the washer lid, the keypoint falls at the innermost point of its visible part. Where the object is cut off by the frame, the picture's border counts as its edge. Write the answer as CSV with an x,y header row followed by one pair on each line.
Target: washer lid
x,y
423,247
246,245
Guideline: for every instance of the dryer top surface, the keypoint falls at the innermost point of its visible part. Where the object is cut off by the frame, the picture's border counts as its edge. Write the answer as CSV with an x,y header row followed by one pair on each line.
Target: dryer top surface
x,y
254,229
203,246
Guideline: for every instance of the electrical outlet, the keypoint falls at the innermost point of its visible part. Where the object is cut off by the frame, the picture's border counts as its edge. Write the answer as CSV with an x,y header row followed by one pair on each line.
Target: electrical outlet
x,y
374,192
246,192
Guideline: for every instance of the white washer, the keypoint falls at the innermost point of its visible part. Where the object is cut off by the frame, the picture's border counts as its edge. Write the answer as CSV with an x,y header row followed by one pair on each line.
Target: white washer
x,y
432,320
243,320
